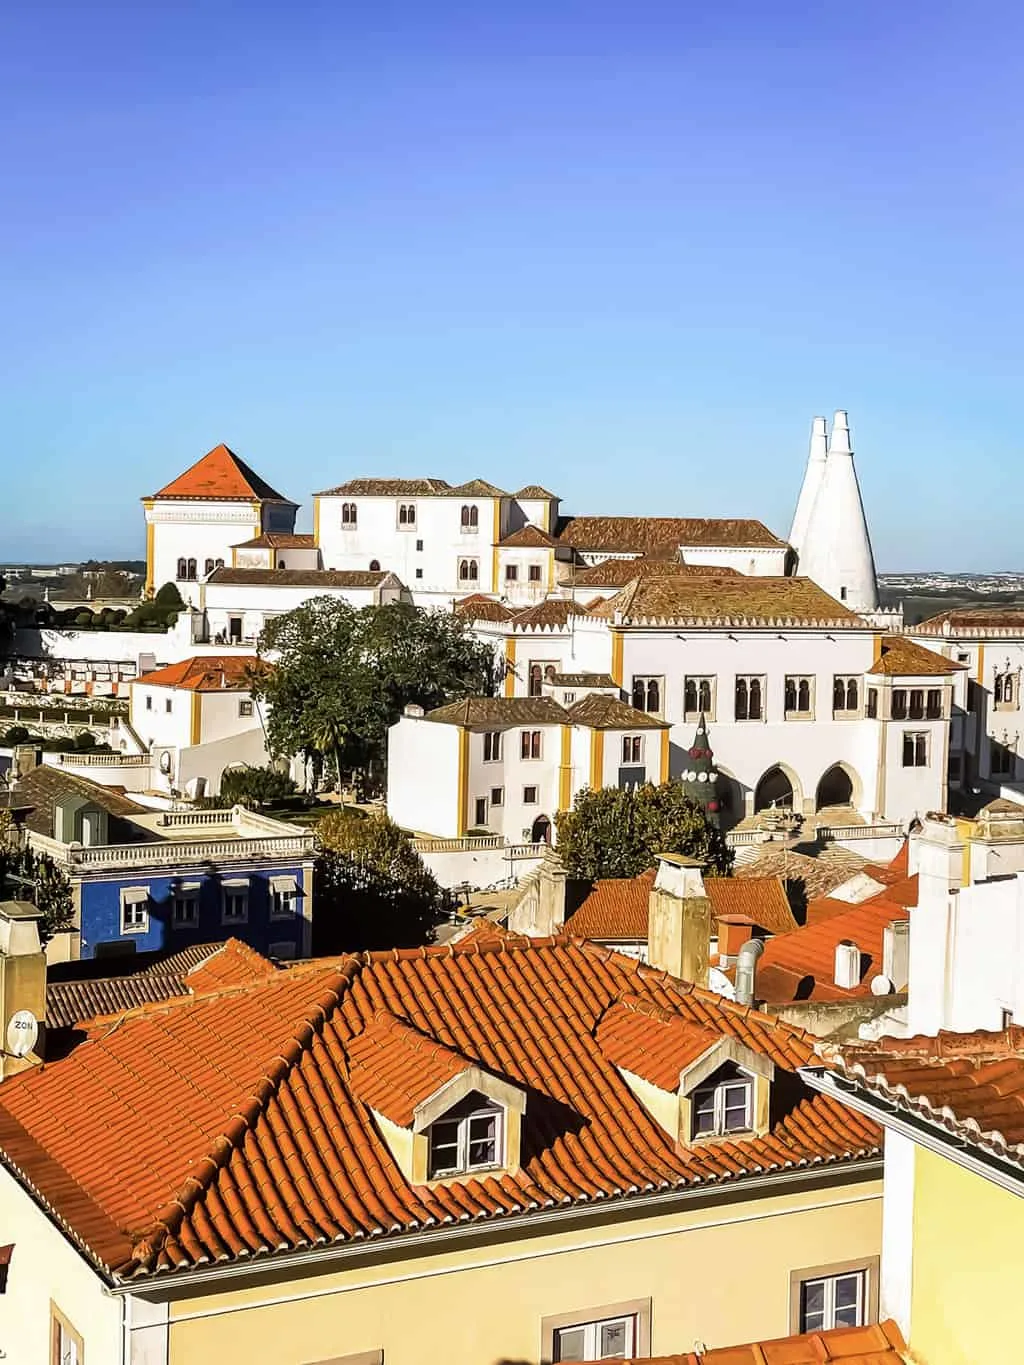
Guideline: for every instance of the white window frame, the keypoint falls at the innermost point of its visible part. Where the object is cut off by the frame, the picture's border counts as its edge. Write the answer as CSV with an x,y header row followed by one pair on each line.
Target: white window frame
x,y
493,740
691,714
844,711
721,1091
646,679
761,681
592,1337
794,712
463,1139
283,903
497,796
234,893
135,912
915,735
827,1316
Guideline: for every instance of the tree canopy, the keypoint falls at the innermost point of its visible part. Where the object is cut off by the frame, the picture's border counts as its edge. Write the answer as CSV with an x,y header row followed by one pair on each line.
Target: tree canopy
x,y
35,877
618,832
342,676
373,889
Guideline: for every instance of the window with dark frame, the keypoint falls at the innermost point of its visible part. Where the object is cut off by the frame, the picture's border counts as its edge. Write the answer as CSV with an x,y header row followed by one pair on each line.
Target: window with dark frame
x,y
511,573
797,695
470,518
646,694
407,514
748,702
915,748
497,796
632,750
534,573
469,571
529,796
492,746
348,514
933,704
899,703
845,694
480,813
529,744
871,706
698,695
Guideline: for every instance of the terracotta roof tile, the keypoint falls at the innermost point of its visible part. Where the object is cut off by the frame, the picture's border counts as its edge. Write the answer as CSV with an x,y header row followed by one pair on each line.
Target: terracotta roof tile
x,y
206,673
553,611
600,711
616,907
534,490
969,1084
300,578
220,476
392,1068
653,1043
528,536
616,573
480,608
278,540
762,900
223,1127
233,964
980,622
739,601
476,488
73,1002
41,789
500,711
819,875
801,965
902,658
387,488
877,1344
640,535
602,680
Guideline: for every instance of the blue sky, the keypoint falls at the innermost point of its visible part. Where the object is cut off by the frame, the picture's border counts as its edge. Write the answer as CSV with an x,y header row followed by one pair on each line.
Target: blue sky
x,y
627,250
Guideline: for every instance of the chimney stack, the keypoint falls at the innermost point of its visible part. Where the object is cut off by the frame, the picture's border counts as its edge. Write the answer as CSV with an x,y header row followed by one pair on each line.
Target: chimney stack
x,y
22,987
896,953
679,919
812,482
847,965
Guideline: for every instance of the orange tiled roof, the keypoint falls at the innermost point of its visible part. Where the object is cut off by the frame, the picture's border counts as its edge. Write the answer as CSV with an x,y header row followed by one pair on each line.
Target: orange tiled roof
x,y
616,573
233,964
653,1043
553,611
224,1127
820,875
878,1344
969,1084
801,965
220,476
641,535
528,537
900,657
738,601
616,908
480,608
393,1068
206,673
278,540
975,622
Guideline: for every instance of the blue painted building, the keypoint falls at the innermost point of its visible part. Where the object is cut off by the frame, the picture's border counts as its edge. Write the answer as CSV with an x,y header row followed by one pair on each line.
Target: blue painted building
x,y
146,879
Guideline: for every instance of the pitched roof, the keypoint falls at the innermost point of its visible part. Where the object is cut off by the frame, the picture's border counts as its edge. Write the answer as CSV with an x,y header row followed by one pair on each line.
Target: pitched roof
x,y
616,573
587,680
476,488
877,1344
500,711
820,875
762,900
393,1068
480,608
300,578
615,908
44,787
206,673
971,1085
969,621
534,490
72,1002
528,536
387,488
900,657
553,611
651,1042
223,1127
801,965
220,476
601,711
278,540
640,535
738,601
233,964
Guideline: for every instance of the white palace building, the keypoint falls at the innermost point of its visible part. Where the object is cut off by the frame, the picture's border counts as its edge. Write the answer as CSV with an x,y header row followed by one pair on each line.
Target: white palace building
x,y
615,634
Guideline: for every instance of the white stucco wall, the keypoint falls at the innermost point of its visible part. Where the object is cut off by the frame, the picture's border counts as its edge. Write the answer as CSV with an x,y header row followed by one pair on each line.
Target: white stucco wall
x,y
754,562
514,818
423,777
161,716
201,531
258,603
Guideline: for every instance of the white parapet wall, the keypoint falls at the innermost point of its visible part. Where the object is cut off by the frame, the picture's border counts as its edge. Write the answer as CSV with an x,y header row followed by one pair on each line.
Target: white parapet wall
x,y
481,864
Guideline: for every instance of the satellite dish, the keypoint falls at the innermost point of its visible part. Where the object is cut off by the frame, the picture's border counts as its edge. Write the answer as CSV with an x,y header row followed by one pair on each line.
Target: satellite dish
x,y
22,1033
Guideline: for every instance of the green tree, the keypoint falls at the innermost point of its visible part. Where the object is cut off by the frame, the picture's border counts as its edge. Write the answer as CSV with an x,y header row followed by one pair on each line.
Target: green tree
x,y
342,676
618,832
26,875
373,889
253,787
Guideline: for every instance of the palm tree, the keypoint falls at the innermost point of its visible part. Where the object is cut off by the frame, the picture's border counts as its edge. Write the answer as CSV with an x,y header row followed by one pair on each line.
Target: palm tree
x,y
329,740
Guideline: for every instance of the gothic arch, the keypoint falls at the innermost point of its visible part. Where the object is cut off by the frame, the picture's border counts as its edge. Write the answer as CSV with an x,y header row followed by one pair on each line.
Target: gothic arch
x,y
779,784
839,785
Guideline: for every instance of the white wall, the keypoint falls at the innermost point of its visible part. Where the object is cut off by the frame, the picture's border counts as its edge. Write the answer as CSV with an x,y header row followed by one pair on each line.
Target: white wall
x,y
423,777
512,774
759,563
201,530
257,603
161,716
220,714
45,1268
101,646
481,869
209,759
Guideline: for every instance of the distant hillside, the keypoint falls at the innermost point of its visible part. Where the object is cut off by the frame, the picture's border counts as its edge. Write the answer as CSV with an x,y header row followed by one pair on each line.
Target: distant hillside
x,y
919,604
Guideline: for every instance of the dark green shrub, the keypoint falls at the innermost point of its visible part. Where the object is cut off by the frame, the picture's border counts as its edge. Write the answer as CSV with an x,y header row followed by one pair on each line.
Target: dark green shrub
x,y
85,740
17,734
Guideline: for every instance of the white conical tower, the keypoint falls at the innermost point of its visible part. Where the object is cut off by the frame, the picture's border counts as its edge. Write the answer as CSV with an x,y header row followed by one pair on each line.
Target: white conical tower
x,y
836,548
811,483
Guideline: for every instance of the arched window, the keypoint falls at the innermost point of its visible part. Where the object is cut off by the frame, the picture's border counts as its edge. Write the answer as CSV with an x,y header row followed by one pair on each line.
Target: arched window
x,y
348,514
375,566
182,568
790,694
742,699
803,695
191,574
755,699
998,689
704,695
468,571
690,695
536,680
852,695
470,518
281,564
406,514
653,695
208,567
839,695
550,673
639,694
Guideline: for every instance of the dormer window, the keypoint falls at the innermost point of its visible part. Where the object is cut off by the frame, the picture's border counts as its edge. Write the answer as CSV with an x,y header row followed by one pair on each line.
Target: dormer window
x,y
723,1104
468,1138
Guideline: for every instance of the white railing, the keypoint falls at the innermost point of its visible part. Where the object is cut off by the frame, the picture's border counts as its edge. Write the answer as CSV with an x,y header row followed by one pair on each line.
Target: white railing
x,y
528,850
183,819
889,829
466,844
88,760
736,837
109,857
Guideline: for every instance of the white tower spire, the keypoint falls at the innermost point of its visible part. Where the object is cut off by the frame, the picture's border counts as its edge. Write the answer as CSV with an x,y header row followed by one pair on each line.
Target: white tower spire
x,y
836,548
811,483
